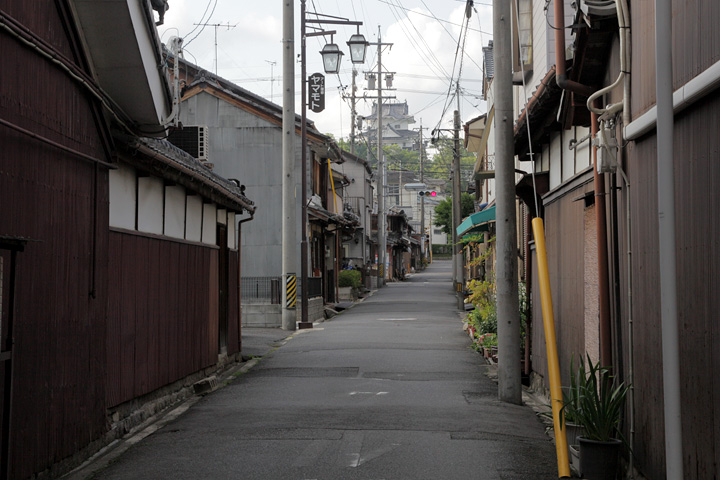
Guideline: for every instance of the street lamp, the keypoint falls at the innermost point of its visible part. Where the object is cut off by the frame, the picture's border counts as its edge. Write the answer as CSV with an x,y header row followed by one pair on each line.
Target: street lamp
x,y
331,55
358,46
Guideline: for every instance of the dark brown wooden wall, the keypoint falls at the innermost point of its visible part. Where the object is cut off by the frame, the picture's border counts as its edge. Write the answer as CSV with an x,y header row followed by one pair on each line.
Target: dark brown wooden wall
x,y
234,324
162,320
696,46
60,203
564,237
697,196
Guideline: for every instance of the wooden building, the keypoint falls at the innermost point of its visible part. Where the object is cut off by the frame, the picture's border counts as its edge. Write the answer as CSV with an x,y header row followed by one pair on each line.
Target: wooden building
x,y
243,139
101,307
599,200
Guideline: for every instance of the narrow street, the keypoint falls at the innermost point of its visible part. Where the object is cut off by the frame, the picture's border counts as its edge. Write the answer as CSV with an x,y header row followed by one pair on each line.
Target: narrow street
x,y
389,389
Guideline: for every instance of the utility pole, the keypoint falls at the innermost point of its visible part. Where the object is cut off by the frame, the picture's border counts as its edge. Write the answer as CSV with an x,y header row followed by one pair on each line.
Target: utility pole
x,y
382,224
216,25
353,113
422,197
289,200
508,311
457,212
304,321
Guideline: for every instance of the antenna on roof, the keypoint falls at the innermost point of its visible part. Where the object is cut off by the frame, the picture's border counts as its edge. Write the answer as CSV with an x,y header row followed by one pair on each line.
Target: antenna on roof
x,y
216,25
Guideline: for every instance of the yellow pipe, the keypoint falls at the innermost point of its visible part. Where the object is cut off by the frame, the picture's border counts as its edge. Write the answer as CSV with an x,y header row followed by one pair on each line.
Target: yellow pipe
x,y
551,346
332,183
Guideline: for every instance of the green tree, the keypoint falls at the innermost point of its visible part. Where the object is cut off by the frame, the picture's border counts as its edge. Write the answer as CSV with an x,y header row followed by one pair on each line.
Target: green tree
x,y
399,158
441,164
361,149
443,211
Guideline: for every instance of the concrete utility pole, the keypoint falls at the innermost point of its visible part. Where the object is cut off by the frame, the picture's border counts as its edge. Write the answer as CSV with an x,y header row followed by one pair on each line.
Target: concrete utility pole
x,y
506,281
457,212
382,219
353,113
289,215
422,197
304,321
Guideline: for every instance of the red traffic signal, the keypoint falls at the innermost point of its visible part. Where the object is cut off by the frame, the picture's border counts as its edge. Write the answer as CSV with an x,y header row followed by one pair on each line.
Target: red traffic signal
x,y
428,194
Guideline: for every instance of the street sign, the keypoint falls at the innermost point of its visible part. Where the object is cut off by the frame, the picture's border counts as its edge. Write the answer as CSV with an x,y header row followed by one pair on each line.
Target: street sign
x,y
316,92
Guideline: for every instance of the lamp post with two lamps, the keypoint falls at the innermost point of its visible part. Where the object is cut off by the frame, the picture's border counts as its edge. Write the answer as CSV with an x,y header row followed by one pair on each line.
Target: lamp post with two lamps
x,y
331,55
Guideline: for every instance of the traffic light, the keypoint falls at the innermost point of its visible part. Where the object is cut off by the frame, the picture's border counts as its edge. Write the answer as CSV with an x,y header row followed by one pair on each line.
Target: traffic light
x,y
427,193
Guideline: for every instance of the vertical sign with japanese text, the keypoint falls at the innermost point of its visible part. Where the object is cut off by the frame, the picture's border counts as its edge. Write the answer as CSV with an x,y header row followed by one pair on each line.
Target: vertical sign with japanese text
x,y
316,92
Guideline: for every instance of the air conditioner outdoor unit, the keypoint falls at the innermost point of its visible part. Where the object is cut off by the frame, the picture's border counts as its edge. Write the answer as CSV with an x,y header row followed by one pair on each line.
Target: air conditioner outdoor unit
x,y
193,139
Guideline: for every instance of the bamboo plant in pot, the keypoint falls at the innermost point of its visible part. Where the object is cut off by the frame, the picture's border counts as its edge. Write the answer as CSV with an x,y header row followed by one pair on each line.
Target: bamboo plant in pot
x,y
599,410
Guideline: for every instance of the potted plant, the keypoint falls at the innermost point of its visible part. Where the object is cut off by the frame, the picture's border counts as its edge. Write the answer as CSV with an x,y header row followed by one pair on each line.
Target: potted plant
x,y
598,408
348,283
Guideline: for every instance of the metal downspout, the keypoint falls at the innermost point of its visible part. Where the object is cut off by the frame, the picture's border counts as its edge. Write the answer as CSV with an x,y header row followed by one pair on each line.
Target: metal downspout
x,y
666,233
599,185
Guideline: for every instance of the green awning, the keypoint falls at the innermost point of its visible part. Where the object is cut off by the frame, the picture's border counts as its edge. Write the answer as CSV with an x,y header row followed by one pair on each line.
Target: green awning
x,y
477,222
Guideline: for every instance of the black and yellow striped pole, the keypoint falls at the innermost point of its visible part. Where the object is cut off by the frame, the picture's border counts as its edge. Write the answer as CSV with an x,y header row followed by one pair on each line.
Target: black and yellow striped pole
x,y
290,291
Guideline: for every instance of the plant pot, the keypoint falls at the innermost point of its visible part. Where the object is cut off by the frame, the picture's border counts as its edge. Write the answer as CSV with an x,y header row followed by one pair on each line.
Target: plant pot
x,y
599,460
574,456
573,431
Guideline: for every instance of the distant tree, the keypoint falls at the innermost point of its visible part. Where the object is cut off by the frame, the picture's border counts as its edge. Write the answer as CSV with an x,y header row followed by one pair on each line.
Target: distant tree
x,y
443,211
399,158
441,164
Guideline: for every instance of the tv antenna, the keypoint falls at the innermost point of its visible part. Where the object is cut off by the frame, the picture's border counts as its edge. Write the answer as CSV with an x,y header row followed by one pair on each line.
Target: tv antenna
x,y
216,25
272,78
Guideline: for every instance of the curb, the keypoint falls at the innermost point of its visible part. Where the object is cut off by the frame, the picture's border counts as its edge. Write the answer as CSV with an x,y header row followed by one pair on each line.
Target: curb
x,y
115,449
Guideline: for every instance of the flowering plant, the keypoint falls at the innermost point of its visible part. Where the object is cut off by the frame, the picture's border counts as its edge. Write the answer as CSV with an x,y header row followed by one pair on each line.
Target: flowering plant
x,y
488,340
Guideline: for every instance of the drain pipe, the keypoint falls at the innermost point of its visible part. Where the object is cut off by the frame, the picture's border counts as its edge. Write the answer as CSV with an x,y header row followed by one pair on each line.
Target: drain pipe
x,y
599,186
666,233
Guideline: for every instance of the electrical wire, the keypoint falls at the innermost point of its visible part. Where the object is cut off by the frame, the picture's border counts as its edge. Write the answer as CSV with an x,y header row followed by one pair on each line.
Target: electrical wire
x,y
527,124
204,24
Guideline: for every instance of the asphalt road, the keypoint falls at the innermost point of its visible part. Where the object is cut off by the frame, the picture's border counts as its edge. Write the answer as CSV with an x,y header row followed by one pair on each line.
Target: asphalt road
x,y
389,389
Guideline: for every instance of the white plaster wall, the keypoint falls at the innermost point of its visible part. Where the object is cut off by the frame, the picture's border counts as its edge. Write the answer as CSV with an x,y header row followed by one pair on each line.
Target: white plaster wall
x,y
231,230
193,218
174,211
555,162
151,195
209,224
222,216
583,153
123,197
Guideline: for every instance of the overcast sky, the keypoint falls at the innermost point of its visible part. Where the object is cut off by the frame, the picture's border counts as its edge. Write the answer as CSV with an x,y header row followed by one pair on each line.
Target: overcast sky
x,y
424,34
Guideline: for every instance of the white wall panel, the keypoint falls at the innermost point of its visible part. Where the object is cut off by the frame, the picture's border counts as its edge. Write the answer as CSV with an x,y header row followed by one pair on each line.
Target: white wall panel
x,y
151,195
123,197
231,230
193,218
174,212
209,224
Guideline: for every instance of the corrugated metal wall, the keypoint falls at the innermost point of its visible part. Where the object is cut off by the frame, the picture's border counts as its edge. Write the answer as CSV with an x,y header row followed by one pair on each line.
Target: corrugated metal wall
x,y
162,320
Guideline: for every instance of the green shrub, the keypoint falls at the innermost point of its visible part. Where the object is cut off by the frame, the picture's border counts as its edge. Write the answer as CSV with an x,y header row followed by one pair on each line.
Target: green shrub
x,y
350,278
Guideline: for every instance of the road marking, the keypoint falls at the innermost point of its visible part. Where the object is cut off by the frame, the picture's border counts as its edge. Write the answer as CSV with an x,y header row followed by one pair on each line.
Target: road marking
x,y
396,319
369,393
